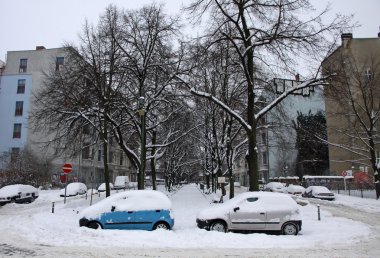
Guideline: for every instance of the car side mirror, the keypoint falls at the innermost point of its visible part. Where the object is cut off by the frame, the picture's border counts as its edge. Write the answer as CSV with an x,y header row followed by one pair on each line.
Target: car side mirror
x,y
113,208
236,209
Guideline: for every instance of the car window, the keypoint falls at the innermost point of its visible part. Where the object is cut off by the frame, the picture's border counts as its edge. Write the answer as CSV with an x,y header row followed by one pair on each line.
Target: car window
x,y
252,199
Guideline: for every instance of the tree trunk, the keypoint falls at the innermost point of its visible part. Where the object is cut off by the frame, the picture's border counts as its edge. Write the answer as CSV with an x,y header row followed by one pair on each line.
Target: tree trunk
x,y
142,155
153,160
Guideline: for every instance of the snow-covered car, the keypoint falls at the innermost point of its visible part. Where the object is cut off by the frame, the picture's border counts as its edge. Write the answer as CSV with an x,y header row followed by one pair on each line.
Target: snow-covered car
x,y
121,182
18,193
295,190
73,189
320,192
102,187
253,211
274,187
135,209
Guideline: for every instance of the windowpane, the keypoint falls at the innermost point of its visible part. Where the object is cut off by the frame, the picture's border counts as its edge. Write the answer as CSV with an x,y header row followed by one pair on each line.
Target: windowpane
x,y
19,108
17,131
23,65
21,86
59,63
99,155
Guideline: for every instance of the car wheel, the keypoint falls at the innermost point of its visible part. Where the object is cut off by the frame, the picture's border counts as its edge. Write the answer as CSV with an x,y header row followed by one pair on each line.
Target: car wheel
x,y
94,225
289,229
161,225
219,226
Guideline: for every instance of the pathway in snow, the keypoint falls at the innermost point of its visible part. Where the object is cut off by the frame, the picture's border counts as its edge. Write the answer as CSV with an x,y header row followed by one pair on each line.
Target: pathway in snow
x,y
187,201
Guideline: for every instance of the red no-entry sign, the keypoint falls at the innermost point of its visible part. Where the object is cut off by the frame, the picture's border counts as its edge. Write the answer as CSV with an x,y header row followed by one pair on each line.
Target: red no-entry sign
x,y
67,168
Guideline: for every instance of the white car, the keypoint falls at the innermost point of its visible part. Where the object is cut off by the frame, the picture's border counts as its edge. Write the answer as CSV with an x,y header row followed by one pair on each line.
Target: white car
x,y
253,211
274,187
18,193
102,187
295,190
121,182
73,189
320,192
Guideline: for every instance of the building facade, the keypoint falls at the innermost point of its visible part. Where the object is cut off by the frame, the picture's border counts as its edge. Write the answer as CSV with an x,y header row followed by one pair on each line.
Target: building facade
x,y
21,78
353,104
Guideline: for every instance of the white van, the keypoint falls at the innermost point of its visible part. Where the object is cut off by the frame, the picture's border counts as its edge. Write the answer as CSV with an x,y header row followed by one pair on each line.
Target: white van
x,y
121,182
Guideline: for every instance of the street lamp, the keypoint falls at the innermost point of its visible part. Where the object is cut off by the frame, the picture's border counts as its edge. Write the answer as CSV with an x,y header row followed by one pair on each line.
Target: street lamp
x,y
141,111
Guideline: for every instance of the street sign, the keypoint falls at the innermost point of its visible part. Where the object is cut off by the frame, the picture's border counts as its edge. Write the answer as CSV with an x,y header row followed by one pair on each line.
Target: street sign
x,y
344,173
67,168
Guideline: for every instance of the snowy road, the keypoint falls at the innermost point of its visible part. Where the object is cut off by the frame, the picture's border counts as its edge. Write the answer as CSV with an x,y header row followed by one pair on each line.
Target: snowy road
x,y
33,231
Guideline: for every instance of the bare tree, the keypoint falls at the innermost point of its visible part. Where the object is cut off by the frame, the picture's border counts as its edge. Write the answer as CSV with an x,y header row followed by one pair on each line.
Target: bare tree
x,y
262,32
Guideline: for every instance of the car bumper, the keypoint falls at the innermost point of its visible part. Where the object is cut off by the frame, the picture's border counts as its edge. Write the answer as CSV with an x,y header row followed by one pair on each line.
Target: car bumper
x,y
203,224
83,222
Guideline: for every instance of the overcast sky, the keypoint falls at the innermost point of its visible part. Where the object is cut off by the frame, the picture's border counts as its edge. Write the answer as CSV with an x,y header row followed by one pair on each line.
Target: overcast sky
x,y
30,23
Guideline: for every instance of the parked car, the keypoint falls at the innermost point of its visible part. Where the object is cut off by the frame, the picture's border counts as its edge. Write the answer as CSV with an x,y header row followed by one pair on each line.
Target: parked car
x,y
18,193
320,192
135,209
73,189
253,211
295,190
102,187
121,182
274,187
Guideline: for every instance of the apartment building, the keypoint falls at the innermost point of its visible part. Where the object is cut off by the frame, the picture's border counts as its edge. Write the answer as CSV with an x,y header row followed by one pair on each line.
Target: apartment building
x,y
21,77
353,104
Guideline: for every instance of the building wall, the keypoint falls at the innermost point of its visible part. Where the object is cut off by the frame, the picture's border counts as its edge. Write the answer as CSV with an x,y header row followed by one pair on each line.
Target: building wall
x,y
364,51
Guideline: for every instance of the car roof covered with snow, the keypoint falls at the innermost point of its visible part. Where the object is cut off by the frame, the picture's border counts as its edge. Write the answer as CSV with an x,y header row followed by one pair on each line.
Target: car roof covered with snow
x,y
10,190
318,189
134,200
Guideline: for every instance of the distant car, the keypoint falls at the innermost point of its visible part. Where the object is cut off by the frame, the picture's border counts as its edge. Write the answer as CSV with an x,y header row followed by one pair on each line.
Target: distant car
x,y
73,189
121,182
320,192
253,211
102,187
135,209
295,190
18,193
274,187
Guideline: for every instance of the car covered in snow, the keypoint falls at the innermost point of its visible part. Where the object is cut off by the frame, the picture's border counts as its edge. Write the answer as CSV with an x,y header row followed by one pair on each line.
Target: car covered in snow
x,y
274,187
121,182
253,211
102,187
135,209
320,192
18,193
73,189
295,190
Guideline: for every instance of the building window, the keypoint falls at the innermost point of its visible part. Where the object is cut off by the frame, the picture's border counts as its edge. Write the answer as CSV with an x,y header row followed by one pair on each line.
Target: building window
x,y
86,152
264,158
368,75
121,159
17,131
59,63
377,157
19,108
15,152
110,157
21,86
23,65
263,138
99,155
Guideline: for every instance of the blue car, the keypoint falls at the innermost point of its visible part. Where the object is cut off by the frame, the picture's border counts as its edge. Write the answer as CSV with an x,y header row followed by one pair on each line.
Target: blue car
x,y
139,209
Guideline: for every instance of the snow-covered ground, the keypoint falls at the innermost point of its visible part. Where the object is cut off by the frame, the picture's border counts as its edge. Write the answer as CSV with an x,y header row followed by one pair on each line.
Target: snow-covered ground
x,y
36,225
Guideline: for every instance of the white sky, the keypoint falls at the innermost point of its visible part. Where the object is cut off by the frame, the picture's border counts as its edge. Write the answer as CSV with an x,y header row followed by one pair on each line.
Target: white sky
x,y
27,24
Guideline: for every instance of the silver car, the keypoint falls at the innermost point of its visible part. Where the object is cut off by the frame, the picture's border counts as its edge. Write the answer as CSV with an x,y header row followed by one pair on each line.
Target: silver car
x,y
253,211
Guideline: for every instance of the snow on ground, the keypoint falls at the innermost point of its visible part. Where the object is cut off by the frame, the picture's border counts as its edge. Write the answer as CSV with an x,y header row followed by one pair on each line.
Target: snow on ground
x,y
38,224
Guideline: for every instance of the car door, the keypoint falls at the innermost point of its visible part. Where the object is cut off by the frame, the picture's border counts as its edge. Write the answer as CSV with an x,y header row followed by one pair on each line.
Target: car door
x,y
248,215
118,220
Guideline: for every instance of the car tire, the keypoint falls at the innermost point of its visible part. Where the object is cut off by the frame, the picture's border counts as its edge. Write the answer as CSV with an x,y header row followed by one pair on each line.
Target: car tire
x,y
94,225
289,228
161,225
219,226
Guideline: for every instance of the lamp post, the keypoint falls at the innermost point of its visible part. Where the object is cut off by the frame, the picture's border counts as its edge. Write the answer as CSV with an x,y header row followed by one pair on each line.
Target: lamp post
x,y
141,112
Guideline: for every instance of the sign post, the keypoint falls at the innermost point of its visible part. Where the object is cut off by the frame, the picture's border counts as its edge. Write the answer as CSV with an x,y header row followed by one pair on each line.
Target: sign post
x,y
67,168
344,174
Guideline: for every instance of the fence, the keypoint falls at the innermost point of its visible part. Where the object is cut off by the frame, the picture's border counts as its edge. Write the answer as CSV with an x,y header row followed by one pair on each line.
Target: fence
x,y
363,190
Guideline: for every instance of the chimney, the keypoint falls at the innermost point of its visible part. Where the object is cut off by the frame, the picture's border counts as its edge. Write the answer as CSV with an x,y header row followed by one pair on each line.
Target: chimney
x,y
346,37
40,48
